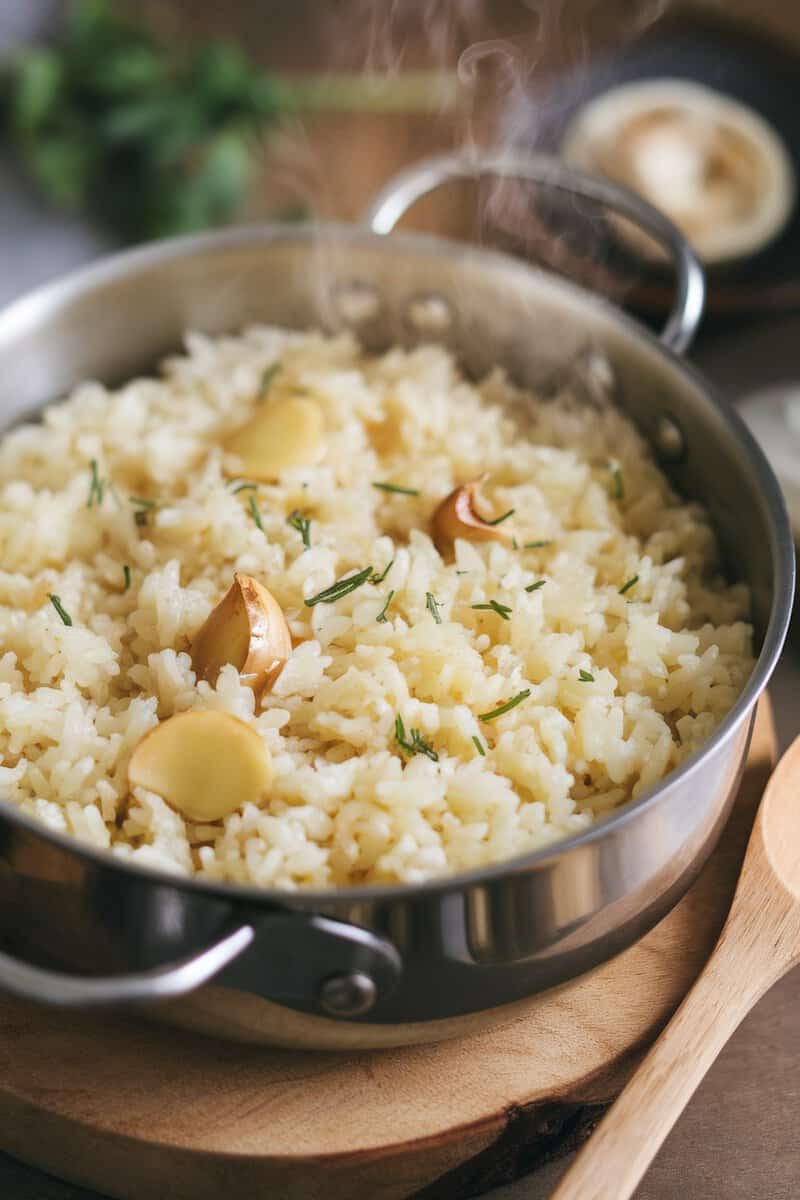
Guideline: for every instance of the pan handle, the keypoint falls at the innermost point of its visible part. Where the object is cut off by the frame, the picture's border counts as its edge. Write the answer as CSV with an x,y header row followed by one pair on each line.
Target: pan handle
x,y
416,181
162,983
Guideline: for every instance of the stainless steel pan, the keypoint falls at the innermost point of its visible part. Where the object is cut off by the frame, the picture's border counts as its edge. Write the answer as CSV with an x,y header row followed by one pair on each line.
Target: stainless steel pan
x,y
382,965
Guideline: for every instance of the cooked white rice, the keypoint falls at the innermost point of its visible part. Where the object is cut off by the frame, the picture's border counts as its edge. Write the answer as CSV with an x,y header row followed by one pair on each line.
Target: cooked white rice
x,y
622,686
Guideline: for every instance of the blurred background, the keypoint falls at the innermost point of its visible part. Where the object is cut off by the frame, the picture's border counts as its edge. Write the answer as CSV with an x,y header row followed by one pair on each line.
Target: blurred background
x,y
122,121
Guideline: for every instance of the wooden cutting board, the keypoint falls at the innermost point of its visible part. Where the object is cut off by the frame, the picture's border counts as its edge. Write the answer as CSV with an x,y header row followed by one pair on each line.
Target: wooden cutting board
x,y
144,1112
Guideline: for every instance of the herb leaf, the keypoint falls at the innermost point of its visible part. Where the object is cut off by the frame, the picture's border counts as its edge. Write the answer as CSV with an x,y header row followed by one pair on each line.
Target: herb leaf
x,y
504,708
502,610
536,545
479,746
143,507
254,513
302,525
626,587
394,487
432,605
619,482
96,486
342,587
149,137
504,517
268,378
59,607
534,587
382,614
246,486
585,676
380,578
417,743
126,574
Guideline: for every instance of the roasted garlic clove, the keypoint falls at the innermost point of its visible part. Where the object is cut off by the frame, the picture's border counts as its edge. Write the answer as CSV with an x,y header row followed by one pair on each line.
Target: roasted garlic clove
x,y
289,433
205,765
248,629
457,517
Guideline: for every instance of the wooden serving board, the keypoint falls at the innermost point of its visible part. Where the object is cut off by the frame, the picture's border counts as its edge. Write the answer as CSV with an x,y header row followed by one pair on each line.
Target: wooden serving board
x,y
144,1112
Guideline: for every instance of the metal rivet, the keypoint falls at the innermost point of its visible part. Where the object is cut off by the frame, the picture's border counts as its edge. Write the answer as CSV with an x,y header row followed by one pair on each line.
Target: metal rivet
x,y
349,995
430,315
670,438
600,370
356,302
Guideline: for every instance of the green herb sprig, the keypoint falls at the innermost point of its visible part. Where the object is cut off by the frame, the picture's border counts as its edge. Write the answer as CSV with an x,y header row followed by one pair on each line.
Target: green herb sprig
x,y
414,742
126,575
504,517
534,587
396,488
479,746
97,486
151,138
585,676
376,578
302,525
382,617
619,483
626,587
342,587
268,377
59,607
143,508
432,605
507,707
503,611
536,545
254,511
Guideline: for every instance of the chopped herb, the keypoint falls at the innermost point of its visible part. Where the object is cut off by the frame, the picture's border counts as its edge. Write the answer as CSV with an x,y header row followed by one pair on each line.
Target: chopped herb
x,y
502,610
626,587
393,487
505,516
254,513
342,587
534,587
417,744
96,486
619,482
585,676
126,572
302,525
462,572
267,379
432,605
59,607
536,545
143,507
382,614
479,746
380,578
504,708
244,487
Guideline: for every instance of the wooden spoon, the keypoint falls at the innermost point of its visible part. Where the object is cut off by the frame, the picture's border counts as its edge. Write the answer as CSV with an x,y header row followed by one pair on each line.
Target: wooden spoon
x,y
759,943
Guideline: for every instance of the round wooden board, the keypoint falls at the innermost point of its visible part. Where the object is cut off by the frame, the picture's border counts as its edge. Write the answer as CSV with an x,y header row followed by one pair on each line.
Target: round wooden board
x,y
143,1112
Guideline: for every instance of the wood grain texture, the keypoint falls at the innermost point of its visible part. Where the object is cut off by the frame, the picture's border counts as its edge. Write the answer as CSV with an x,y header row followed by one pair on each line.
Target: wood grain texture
x,y
139,1111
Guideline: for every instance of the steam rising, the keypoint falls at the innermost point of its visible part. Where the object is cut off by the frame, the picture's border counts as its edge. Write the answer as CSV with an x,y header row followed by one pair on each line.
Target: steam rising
x,y
505,102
